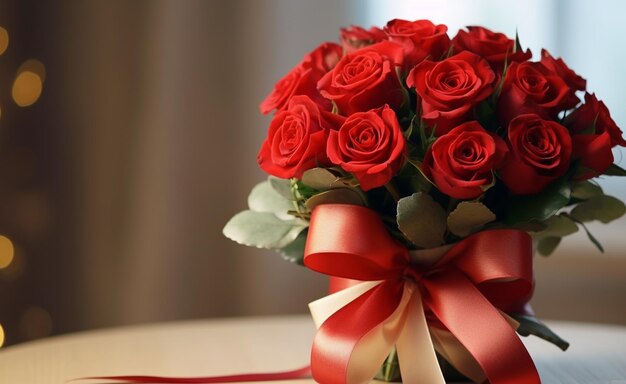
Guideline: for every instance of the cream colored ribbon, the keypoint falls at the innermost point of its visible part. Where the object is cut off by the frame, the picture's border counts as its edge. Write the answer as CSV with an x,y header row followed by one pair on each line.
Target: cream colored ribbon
x,y
406,328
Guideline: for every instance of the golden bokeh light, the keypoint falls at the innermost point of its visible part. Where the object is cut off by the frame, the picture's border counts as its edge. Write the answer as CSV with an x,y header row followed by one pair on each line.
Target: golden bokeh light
x,y
1,336
34,66
4,40
27,88
7,252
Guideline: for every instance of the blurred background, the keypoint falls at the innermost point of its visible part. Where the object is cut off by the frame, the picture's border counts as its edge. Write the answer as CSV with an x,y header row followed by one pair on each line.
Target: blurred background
x,y
128,137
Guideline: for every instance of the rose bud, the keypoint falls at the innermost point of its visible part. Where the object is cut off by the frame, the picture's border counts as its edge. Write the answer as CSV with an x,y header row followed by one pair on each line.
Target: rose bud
x,y
539,152
365,79
461,163
494,47
370,145
449,89
303,78
296,139
571,78
355,37
533,88
594,133
421,39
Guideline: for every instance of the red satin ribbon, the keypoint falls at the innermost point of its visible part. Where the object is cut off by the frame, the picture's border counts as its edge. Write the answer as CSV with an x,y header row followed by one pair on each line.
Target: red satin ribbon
x,y
464,291
247,377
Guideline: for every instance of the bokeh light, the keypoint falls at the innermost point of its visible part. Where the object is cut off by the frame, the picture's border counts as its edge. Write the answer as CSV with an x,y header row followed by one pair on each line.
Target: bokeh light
x,y
4,40
7,252
1,336
27,88
34,66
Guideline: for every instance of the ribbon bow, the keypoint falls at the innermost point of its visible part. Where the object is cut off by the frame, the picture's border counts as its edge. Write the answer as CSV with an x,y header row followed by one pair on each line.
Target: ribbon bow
x,y
463,292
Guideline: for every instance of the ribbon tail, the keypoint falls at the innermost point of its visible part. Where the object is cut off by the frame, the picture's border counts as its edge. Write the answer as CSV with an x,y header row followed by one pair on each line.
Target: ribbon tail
x,y
416,354
351,345
456,354
480,327
301,373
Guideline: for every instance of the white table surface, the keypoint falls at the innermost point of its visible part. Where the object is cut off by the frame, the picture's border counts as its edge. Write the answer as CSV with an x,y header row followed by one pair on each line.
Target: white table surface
x,y
226,346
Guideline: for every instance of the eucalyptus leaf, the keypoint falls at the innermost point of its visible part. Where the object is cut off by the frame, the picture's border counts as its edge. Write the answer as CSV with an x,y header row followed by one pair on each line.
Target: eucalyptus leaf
x,y
282,187
468,217
345,182
590,235
263,198
335,196
603,208
584,190
294,251
530,325
558,226
547,245
263,229
539,206
321,179
615,170
421,220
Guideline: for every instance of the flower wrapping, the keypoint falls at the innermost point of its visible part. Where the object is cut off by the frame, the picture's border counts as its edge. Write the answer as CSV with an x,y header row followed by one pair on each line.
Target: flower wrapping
x,y
428,168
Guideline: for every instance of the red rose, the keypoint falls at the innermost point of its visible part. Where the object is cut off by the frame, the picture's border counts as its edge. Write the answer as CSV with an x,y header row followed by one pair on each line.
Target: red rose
x,y
370,145
303,78
461,162
495,47
296,140
355,37
450,88
594,133
533,88
571,78
421,39
365,79
324,58
539,152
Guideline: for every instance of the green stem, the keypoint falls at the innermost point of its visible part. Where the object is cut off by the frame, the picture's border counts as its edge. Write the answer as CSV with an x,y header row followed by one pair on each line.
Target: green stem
x,y
393,191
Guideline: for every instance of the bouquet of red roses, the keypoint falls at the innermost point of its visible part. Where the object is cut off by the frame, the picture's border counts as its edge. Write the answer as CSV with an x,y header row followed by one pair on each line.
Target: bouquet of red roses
x,y
425,170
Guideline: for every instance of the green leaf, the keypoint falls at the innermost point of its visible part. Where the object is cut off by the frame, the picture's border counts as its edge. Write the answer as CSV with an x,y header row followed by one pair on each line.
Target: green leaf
x,y
530,325
584,190
539,206
390,369
263,229
547,245
591,237
319,178
281,186
421,220
335,196
518,45
263,198
294,251
558,226
468,217
615,170
603,208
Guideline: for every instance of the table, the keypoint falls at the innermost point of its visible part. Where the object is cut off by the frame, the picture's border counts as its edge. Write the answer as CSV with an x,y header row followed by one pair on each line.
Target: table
x,y
225,346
